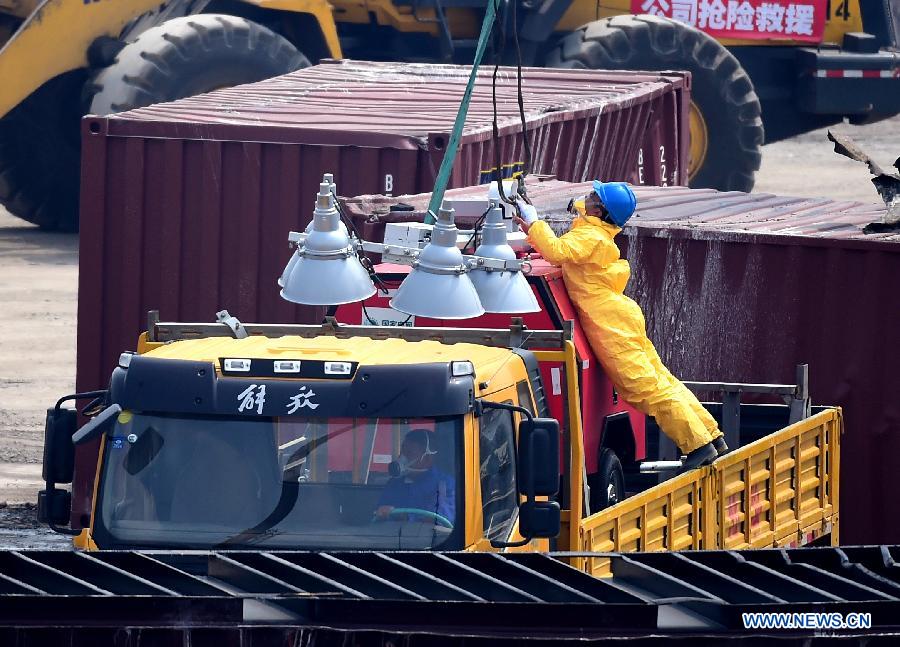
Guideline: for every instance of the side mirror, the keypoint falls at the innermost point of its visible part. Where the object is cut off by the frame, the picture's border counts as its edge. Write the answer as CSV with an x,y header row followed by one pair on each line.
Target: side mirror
x,y
55,505
538,476
539,519
61,435
538,457
59,452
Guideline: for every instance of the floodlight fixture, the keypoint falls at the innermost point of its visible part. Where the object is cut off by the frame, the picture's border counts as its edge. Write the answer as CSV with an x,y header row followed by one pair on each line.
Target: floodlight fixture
x,y
439,286
500,290
325,269
327,178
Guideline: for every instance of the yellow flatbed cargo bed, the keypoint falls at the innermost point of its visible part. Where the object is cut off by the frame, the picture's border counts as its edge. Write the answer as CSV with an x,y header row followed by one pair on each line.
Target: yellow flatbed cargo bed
x,y
779,491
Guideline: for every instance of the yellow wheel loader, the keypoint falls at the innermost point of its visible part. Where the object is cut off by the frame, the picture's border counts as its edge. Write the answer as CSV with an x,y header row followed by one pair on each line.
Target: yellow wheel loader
x,y
798,65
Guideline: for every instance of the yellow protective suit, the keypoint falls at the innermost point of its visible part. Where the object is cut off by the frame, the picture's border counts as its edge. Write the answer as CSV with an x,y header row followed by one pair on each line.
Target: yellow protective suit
x,y
595,278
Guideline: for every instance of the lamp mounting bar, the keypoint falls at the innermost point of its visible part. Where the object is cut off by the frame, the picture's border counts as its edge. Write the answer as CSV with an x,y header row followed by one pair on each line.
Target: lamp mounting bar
x,y
512,337
411,253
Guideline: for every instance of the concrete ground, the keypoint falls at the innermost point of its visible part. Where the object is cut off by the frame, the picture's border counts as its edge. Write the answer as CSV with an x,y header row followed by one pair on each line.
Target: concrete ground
x,y
38,288
39,276
808,166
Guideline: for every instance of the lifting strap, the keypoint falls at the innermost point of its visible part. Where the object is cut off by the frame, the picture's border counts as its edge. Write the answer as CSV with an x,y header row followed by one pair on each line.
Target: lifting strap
x,y
443,176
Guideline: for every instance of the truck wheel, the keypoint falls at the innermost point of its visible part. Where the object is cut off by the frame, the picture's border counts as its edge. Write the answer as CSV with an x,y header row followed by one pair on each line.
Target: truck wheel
x,y
608,484
726,117
191,55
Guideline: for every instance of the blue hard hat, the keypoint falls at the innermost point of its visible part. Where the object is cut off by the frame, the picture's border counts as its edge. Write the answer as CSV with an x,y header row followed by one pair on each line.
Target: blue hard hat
x,y
619,200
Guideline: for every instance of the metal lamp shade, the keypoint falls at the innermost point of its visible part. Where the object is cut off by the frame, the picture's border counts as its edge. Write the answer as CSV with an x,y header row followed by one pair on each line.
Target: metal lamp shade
x,y
334,281
437,296
504,292
501,292
438,286
325,269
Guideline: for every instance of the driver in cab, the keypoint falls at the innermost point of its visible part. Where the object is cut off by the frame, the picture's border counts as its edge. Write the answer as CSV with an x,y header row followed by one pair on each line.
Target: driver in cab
x,y
417,484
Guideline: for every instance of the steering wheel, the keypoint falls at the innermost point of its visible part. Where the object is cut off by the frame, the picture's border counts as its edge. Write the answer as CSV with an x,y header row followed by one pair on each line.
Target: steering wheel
x,y
437,518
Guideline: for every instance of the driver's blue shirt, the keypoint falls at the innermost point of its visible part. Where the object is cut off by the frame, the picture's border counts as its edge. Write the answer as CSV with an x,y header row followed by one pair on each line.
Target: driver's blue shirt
x,y
432,490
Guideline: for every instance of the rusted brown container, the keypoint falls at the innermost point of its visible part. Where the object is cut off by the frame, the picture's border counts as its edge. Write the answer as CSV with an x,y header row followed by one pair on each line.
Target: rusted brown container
x,y
743,287
746,287
384,127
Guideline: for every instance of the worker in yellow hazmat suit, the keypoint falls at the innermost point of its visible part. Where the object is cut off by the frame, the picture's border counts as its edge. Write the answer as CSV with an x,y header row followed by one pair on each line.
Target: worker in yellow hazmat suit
x,y
595,278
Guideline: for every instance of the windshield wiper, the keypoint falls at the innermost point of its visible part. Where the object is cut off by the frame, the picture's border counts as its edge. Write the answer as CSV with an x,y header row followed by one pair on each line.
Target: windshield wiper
x,y
290,491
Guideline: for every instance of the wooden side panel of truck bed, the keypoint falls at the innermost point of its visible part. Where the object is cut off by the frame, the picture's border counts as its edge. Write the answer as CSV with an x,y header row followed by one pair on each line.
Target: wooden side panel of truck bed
x,y
781,490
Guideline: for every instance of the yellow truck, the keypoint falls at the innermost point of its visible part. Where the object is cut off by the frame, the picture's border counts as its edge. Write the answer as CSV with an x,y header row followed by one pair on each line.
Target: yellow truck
x,y
268,437
774,69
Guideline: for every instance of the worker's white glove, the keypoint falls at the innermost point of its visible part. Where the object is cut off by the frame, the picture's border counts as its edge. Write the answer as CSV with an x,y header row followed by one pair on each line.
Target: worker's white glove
x,y
528,213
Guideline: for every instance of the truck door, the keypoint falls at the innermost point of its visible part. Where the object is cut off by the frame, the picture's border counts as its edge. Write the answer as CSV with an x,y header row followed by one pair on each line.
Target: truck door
x,y
498,486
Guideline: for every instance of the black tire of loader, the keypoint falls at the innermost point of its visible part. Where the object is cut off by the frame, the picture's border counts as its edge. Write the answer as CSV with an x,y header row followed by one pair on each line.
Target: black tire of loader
x,y
39,140
191,55
721,88
39,155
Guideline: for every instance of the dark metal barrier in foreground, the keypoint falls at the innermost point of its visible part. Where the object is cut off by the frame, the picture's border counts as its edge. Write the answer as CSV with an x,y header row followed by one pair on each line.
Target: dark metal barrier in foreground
x,y
360,598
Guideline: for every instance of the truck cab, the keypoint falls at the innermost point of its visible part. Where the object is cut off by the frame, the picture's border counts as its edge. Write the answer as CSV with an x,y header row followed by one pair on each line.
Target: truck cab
x,y
301,442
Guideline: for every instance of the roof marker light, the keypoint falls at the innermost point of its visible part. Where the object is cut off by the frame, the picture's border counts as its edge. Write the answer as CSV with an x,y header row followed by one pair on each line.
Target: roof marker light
x,y
237,365
337,368
461,369
286,366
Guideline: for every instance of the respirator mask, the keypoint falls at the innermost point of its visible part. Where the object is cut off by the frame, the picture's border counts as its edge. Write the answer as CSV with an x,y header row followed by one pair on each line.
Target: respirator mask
x,y
588,205
403,466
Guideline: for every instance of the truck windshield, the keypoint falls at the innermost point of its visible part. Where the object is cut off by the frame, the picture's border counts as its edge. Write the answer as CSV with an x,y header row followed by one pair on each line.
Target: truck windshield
x,y
368,483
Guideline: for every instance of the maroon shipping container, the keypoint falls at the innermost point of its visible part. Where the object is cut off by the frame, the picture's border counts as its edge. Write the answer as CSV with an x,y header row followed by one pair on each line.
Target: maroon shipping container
x,y
743,287
384,127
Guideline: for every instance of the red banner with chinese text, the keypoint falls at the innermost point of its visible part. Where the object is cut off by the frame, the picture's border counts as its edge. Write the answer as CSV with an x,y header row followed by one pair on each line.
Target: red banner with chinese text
x,y
802,20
